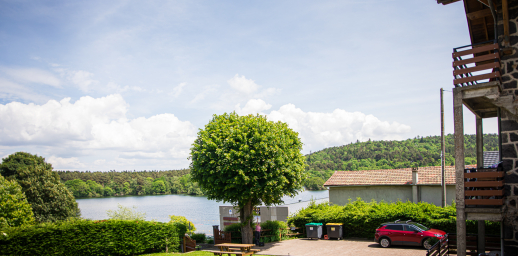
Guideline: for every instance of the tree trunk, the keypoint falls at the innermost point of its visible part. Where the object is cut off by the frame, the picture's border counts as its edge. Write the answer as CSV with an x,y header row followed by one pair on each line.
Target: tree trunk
x,y
246,219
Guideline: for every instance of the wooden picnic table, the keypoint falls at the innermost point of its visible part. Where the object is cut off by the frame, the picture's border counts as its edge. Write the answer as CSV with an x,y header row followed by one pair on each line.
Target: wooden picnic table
x,y
231,248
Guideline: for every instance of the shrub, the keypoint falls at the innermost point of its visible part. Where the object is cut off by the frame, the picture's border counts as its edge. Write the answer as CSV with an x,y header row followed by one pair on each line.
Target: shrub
x,y
272,230
236,231
87,237
199,237
15,210
183,223
125,213
277,229
361,219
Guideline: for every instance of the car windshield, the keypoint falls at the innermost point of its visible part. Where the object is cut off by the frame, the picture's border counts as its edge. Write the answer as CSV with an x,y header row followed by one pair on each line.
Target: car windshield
x,y
420,227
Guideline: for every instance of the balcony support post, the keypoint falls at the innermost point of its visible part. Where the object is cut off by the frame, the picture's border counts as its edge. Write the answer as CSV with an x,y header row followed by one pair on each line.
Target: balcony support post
x,y
459,170
480,164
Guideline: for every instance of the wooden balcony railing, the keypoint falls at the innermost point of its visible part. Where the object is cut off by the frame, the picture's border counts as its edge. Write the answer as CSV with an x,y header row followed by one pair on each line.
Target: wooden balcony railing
x,y
482,57
484,187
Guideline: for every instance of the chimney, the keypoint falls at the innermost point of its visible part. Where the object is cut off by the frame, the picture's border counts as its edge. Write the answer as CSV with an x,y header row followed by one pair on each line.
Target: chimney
x,y
414,176
415,180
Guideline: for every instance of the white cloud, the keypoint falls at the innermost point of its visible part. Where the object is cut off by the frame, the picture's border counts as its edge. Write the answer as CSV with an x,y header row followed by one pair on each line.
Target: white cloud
x,y
320,130
32,75
241,90
240,83
95,124
14,91
177,90
82,79
253,106
206,91
113,87
65,163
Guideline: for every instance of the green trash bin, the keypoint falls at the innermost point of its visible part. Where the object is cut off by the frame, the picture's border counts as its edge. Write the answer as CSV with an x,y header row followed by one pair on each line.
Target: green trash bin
x,y
314,230
334,230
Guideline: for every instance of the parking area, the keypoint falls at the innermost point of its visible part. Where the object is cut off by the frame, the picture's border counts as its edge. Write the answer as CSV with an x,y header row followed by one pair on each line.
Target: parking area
x,y
357,247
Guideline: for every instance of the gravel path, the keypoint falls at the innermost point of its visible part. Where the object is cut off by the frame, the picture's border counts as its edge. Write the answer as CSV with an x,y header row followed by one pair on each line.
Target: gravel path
x,y
356,247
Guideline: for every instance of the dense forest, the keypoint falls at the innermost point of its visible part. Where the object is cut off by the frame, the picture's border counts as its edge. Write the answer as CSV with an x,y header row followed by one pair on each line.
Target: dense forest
x,y
376,155
113,183
369,155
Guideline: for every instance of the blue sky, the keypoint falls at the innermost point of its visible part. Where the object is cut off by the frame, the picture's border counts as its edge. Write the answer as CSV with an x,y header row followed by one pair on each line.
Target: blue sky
x,y
103,85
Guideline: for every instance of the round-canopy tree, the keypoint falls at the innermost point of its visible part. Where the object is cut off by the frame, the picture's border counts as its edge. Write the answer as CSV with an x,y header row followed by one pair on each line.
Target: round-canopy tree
x,y
50,199
246,160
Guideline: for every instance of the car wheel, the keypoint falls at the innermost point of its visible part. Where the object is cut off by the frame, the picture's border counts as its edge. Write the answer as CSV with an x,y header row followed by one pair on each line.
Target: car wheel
x,y
384,242
427,243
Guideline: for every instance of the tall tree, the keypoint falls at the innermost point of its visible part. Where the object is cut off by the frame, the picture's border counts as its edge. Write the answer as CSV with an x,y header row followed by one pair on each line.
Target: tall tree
x,y
49,198
246,160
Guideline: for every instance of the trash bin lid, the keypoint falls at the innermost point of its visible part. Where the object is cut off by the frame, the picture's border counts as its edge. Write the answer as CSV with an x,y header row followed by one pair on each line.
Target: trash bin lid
x,y
335,224
314,224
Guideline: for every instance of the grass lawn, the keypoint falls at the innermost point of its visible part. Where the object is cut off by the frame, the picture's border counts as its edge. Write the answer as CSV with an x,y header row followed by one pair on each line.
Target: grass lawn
x,y
198,253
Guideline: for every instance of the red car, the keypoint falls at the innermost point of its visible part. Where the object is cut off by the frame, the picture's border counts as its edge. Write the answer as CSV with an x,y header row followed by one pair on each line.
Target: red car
x,y
406,233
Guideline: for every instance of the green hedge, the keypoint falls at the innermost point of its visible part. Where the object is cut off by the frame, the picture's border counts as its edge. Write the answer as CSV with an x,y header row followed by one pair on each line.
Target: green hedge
x,y
361,219
276,229
87,237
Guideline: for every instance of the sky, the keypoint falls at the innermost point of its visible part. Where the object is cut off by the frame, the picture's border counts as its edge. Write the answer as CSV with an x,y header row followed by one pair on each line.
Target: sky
x,y
126,85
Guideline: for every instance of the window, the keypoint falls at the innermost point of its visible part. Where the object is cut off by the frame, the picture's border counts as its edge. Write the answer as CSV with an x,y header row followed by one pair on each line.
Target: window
x,y
411,228
421,226
394,227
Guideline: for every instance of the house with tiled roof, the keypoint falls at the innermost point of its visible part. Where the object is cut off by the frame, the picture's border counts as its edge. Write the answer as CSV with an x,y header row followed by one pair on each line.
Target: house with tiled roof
x,y
417,185
421,184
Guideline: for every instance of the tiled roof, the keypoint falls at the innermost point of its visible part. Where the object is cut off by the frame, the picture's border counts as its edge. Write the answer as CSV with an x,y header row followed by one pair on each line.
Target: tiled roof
x,y
430,175
491,157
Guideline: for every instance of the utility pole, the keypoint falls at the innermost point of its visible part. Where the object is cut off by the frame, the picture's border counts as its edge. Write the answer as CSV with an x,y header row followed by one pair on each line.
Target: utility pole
x,y
443,153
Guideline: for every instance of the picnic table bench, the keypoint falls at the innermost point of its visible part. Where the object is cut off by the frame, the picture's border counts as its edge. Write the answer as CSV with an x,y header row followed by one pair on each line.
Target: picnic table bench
x,y
234,249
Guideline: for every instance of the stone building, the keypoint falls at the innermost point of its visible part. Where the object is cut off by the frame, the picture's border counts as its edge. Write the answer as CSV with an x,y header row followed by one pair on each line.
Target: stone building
x,y
486,82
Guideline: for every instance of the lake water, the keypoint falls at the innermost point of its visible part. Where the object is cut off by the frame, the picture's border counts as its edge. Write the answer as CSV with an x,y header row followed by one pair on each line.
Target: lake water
x,y
202,212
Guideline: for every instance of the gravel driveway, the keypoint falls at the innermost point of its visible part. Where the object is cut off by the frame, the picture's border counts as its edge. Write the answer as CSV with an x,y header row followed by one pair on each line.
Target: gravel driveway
x,y
307,247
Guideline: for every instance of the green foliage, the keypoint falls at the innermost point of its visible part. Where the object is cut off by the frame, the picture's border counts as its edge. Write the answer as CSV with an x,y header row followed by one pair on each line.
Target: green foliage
x,y
361,219
199,237
236,159
86,237
275,230
14,208
99,184
125,213
13,162
314,183
376,155
183,223
272,230
246,160
50,200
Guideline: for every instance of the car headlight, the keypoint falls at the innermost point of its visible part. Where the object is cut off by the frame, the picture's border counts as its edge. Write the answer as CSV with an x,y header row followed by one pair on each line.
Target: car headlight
x,y
437,235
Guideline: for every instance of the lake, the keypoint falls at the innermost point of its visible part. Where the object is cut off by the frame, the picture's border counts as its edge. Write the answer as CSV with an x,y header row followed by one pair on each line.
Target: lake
x,y
202,212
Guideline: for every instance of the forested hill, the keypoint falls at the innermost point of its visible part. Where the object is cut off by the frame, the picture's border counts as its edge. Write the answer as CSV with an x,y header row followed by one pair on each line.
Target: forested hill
x,y
375,155
113,183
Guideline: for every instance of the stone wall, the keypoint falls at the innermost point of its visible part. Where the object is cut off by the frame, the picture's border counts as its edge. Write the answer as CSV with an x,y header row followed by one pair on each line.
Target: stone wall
x,y
509,129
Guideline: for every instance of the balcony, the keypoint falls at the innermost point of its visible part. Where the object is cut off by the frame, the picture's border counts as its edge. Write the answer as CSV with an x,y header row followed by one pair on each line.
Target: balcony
x,y
484,187
474,64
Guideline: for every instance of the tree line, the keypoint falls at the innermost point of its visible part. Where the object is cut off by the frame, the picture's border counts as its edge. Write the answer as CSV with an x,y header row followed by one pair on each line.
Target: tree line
x,y
113,183
377,155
